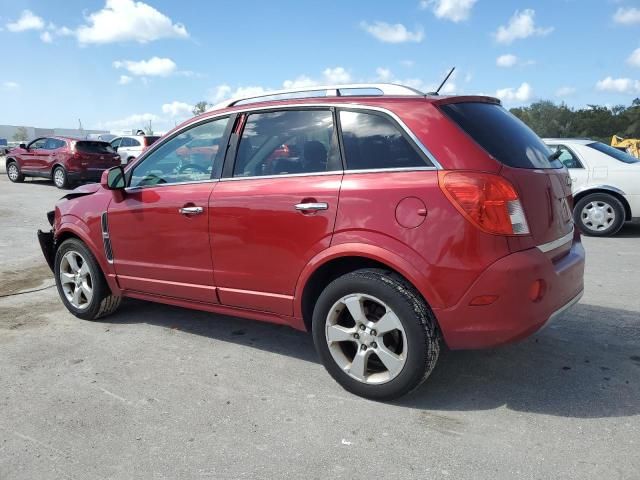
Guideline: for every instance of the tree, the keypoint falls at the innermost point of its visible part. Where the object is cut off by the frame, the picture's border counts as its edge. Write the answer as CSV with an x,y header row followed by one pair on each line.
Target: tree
x,y
21,135
200,107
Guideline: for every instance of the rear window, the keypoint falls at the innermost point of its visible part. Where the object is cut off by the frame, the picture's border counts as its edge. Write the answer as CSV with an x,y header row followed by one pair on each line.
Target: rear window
x,y
149,140
501,134
613,152
94,147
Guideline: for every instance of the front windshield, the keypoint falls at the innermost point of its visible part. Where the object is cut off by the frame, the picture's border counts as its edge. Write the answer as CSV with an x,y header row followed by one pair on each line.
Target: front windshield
x,y
613,152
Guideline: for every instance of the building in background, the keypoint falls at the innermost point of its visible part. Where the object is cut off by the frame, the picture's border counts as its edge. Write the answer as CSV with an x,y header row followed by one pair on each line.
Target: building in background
x,y
8,131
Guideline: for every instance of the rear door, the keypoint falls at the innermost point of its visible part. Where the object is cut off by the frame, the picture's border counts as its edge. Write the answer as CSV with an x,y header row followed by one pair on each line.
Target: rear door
x,y
544,185
55,150
159,230
275,207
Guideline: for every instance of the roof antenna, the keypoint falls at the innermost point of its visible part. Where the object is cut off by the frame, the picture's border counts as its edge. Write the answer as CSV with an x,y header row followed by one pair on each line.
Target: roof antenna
x,y
437,92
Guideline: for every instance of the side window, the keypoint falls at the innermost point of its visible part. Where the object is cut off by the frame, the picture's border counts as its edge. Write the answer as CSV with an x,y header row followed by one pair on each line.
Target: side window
x,y
188,157
53,144
287,142
132,142
373,141
115,143
37,144
567,157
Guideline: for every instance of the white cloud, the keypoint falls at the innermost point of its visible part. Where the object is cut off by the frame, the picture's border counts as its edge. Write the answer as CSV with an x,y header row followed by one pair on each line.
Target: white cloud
x,y
27,21
135,121
224,91
522,94
619,85
521,25
126,20
155,66
177,109
454,10
396,33
46,37
565,91
627,16
301,81
124,80
384,74
634,58
387,76
336,75
506,61
10,85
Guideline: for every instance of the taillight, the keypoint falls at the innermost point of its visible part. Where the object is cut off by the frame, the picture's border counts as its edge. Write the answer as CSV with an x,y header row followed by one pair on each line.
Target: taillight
x,y
488,201
72,148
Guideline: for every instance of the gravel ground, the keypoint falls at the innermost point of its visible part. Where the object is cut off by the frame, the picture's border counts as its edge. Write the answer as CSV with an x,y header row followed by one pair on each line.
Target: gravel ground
x,y
158,392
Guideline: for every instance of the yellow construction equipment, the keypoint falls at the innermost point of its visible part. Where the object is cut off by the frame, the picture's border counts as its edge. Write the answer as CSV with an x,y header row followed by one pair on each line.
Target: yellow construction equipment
x,y
629,145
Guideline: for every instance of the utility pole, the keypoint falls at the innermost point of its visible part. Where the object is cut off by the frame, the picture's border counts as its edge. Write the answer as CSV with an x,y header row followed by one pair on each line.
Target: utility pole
x,y
80,128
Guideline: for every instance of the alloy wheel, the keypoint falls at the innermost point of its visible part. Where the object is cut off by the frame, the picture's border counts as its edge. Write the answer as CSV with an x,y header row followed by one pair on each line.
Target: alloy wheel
x,y
58,177
366,339
76,281
598,215
13,172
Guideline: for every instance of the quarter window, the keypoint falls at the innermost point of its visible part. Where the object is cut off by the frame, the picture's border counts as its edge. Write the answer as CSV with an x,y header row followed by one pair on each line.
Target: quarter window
x,y
193,155
287,142
373,141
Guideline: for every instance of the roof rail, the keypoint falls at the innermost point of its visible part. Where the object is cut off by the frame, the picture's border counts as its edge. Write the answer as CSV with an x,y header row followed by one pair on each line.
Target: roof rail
x,y
352,89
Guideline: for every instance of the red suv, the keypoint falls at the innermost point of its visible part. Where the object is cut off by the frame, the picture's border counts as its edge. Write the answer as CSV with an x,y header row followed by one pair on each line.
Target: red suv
x,y
62,159
396,221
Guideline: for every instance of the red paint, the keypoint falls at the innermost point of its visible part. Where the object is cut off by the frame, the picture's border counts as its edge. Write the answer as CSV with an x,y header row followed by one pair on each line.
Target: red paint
x,y
251,253
80,166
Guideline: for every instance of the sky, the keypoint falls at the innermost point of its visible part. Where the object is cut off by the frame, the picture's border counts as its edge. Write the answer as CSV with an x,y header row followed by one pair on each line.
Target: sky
x,y
116,64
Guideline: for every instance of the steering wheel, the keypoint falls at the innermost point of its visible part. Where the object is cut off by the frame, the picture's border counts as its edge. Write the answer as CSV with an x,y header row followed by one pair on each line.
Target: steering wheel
x,y
192,166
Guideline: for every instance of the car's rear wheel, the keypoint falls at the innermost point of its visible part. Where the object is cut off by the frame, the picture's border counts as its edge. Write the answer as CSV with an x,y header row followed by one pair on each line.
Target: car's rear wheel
x,y
599,215
60,177
81,284
14,174
375,334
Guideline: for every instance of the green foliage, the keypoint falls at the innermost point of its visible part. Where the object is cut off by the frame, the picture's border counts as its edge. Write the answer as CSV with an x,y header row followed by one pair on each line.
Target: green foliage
x,y
21,135
200,107
595,122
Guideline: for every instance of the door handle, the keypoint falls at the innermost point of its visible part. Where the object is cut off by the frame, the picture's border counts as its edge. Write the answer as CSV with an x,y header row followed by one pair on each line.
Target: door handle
x,y
312,206
191,210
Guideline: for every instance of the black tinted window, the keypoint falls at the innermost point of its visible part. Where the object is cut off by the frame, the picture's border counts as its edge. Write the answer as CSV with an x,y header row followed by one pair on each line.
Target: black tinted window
x,y
94,147
614,152
374,141
287,142
501,134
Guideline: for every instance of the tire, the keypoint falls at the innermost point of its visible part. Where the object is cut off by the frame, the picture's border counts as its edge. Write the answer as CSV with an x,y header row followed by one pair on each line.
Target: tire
x,y
99,302
59,177
599,215
411,334
14,173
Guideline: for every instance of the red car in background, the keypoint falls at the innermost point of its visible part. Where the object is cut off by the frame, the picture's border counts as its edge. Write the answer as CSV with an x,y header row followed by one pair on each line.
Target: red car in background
x,y
64,160
390,224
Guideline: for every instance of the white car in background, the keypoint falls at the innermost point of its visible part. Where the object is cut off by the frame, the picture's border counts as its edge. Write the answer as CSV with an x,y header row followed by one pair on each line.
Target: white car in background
x,y
606,184
130,146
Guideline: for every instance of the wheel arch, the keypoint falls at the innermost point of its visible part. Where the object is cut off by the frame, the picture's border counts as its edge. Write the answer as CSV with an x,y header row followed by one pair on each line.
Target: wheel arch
x,y
340,260
11,160
608,190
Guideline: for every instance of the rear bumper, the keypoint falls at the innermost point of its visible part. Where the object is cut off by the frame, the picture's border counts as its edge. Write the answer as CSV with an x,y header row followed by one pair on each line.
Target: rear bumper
x,y
514,315
88,175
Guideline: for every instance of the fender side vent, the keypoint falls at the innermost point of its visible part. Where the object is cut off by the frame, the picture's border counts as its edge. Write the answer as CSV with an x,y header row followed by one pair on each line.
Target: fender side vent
x,y
104,222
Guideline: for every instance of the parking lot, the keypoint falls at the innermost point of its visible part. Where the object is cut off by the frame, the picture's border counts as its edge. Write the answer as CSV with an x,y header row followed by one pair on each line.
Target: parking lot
x,y
159,392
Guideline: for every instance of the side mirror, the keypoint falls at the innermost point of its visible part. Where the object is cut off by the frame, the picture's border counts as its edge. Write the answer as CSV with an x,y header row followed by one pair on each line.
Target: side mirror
x,y
115,149
23,146
113,179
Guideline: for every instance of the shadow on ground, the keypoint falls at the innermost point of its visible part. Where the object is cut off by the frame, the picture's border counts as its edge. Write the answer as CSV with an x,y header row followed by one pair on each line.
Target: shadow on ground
x,y
630,230
586,366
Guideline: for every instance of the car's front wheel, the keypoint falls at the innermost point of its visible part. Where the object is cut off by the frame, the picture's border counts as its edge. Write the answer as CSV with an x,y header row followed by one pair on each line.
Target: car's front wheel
x,y
599,215
13,172
81,284
375,334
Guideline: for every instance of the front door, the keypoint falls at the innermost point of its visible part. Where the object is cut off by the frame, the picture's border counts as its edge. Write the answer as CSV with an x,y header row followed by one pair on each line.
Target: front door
x,y
275,207
159,230
31,158
577,171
